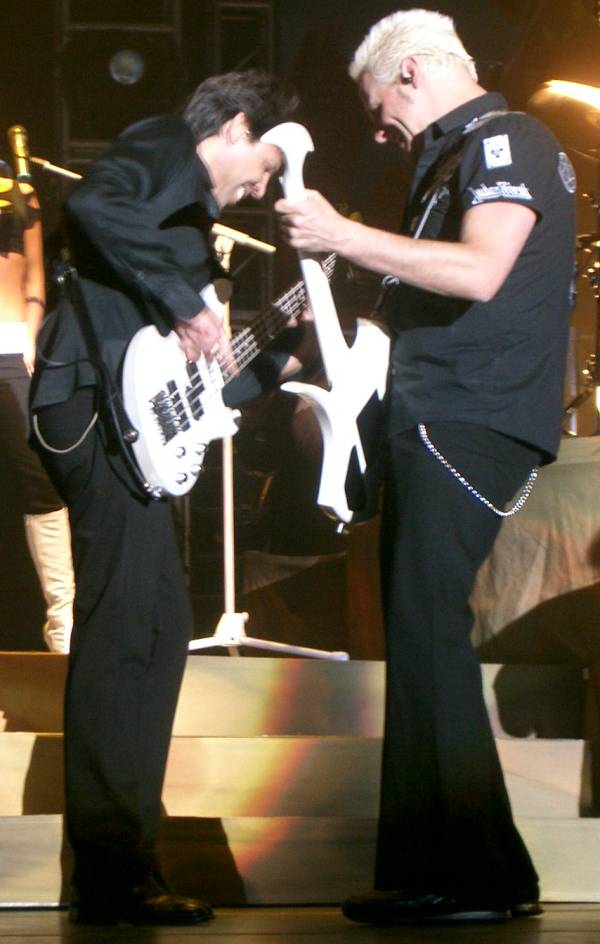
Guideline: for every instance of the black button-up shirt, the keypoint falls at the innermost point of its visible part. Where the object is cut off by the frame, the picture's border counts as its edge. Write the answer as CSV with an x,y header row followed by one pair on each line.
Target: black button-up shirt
x,y
139,226
500,363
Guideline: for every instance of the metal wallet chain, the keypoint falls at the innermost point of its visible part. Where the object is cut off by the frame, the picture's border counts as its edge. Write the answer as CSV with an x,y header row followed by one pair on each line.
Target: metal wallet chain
x,y
443,176
525,492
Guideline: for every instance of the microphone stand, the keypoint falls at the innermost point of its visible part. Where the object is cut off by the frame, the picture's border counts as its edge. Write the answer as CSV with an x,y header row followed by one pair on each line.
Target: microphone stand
x,y
230,632
55,168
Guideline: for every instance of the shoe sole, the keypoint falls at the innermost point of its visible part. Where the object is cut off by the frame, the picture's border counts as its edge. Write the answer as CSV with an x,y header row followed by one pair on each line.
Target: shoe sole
x,y
456,917
102,918
527,910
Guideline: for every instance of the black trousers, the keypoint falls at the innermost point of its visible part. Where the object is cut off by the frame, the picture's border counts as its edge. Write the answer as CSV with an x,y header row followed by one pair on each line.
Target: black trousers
x,y
132,626
445,821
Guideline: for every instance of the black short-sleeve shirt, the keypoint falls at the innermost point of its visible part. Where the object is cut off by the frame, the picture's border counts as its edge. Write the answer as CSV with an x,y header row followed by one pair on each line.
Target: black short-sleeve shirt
x,y
498,363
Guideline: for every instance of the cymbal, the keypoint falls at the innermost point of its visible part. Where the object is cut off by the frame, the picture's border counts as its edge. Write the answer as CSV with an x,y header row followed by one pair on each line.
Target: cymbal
x,y
576,123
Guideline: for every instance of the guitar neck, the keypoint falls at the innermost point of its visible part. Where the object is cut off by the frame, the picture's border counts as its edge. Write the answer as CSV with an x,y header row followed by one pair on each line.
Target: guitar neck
x,y
255,337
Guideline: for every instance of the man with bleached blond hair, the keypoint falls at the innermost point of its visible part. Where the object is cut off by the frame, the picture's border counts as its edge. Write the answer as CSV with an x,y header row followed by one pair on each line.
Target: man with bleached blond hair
x,y
478,312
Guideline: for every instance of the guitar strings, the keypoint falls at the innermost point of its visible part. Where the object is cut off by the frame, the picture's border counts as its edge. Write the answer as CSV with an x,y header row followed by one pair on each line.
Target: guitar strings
x,y
250,340
245,346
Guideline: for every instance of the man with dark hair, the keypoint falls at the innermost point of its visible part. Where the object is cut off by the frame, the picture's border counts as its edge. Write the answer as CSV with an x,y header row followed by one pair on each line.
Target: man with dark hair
x,y
478,309
139,226
220,97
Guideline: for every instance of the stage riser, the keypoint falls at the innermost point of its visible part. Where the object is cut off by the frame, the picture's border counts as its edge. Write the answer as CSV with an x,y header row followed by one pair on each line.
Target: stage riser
x,y
224,697
278,860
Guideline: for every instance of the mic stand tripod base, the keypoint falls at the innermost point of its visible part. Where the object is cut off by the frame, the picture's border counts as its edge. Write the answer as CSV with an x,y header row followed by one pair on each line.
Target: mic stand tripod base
x,y
231,633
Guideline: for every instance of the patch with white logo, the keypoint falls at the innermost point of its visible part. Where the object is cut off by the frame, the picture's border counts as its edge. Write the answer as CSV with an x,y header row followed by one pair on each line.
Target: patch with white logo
x,y
567,173
501,190
496,151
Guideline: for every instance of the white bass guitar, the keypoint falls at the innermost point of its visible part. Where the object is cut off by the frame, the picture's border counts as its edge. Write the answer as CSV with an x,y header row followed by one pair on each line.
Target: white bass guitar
x,y
176,406
350,412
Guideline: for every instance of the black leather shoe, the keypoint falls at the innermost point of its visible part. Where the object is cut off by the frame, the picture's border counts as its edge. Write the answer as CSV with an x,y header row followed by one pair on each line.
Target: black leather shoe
x,y
398,907
149,903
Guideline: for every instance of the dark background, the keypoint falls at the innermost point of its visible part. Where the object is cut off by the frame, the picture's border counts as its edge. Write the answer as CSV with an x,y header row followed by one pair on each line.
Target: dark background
x,y
47,79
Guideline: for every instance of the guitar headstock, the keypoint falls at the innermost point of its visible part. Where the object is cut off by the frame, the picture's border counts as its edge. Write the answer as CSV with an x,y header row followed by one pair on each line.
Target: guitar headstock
x,y
294,141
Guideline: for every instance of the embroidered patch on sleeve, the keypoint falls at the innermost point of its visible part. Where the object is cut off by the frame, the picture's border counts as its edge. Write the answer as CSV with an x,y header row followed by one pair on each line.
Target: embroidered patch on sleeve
x,y
501,190
496,151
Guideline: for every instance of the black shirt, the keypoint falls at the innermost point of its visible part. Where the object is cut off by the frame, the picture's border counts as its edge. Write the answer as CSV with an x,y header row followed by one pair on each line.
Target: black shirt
x,y
498,363
139,227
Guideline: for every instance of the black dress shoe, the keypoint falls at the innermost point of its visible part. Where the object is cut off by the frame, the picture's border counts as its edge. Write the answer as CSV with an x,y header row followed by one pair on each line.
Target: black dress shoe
x,y
398,907
150,903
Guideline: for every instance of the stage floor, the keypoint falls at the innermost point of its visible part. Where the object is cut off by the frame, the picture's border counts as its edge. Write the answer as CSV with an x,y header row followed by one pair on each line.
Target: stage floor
x,y
560,924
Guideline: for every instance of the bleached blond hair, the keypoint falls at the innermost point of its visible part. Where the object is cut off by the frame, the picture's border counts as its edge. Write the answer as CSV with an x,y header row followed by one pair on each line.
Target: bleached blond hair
x,y
425,35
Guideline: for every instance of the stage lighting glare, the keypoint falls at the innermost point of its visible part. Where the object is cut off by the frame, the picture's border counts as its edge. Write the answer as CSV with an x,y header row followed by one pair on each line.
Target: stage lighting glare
x,y
586,94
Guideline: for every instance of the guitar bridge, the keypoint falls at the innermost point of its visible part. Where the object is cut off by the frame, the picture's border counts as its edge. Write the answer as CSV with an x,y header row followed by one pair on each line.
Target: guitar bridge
x,y
170,412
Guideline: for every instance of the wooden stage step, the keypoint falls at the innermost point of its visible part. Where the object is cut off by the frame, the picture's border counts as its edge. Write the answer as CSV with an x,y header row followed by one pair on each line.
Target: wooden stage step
x,y
224,697
278,860
272,784
285,776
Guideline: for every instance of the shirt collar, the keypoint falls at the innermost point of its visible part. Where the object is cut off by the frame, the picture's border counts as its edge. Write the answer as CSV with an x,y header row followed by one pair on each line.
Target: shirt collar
x,y
461,116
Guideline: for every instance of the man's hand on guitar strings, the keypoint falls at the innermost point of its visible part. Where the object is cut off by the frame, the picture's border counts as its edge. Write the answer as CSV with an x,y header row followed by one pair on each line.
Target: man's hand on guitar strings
x,y
204,335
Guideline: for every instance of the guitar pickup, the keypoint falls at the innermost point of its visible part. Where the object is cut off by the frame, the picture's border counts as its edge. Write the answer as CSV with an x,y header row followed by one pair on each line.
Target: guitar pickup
x,y
169,411
194,391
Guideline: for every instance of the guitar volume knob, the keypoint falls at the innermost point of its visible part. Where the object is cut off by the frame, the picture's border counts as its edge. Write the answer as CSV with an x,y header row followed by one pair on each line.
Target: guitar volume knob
x,y
180,452
181,479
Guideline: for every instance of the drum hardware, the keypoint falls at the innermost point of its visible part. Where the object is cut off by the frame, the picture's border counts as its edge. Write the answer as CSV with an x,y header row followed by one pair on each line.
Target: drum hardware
x,y
588,244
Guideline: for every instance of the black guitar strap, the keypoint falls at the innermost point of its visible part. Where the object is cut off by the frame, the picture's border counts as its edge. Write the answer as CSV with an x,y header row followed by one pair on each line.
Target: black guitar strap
x,y
443,174
120,431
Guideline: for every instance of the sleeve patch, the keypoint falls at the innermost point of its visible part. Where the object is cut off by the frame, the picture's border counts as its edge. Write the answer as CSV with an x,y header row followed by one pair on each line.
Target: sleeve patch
x,y
501,190
496,151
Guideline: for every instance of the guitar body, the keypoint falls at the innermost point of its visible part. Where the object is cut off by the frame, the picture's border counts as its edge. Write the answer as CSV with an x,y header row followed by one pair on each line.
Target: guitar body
x,y
177,409
174,407
350,417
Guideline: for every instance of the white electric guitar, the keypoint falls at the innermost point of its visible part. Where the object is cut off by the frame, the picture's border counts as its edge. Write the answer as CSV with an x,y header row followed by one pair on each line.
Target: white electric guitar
x,y
350,413
176,407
